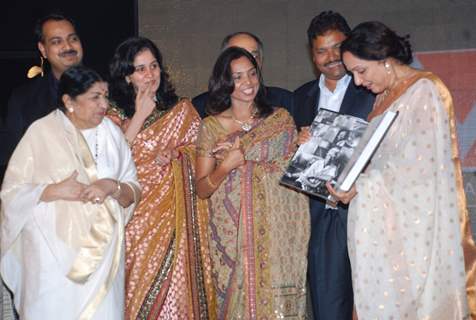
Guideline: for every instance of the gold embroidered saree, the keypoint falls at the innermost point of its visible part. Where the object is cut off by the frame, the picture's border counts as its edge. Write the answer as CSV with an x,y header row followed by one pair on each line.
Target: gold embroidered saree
x,y
167,259
258,229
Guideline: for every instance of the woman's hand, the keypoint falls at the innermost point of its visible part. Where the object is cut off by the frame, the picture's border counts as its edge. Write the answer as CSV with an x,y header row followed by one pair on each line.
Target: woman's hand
x,y
166,156
145,102
304,135
69,189
99,190
235,157
344,197
221,150
144,105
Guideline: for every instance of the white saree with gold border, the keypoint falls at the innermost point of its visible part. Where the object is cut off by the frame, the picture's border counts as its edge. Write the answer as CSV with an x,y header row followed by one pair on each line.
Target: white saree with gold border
x,y
64,259
405,224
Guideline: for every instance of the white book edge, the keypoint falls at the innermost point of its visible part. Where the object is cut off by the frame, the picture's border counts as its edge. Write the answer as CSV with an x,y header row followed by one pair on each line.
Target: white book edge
x,y
368,150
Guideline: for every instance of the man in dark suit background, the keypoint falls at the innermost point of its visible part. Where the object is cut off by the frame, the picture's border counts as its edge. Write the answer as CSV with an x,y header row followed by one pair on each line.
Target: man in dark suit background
x,y
59,44
328,262
277,97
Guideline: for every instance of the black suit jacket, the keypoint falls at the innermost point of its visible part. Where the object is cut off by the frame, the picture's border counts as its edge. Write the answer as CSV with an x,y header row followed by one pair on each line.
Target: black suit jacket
x,y
357,102
27,103
328,263
277,97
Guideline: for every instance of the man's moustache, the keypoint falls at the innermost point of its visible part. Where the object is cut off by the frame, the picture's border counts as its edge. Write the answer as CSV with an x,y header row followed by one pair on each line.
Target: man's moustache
x,y
68,53
335,61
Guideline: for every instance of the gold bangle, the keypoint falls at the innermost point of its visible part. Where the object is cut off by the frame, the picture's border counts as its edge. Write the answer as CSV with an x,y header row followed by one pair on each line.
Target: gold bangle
x,y
117,193
210,183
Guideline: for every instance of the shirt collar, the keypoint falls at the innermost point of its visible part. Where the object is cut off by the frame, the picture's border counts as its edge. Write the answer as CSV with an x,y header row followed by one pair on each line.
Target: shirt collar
x,y
342,83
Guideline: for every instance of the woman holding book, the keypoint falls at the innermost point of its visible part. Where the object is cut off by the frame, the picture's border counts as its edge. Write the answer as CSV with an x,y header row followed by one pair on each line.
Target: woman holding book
x,y
259,230
408,230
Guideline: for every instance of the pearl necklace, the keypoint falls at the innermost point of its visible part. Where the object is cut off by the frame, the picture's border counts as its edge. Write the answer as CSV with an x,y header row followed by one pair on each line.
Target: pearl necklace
x,y
96,147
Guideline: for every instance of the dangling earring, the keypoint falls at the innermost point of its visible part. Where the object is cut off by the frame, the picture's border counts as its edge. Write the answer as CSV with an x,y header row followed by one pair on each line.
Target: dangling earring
x,y
387,67
70,109
35,70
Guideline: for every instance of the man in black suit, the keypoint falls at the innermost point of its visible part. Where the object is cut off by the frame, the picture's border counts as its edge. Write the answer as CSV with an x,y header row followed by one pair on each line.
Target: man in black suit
x,y
60,46
277,97
329,267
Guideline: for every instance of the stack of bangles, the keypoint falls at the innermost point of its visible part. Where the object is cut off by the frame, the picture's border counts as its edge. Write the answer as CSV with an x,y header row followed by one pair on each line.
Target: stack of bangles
x,y
210,182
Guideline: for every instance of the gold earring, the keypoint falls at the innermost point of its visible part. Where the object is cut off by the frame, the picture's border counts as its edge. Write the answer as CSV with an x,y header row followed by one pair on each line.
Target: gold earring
x,y
36,70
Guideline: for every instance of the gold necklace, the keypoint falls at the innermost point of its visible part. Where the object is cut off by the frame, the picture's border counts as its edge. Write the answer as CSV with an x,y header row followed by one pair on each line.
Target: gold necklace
x,y
386,98
246,125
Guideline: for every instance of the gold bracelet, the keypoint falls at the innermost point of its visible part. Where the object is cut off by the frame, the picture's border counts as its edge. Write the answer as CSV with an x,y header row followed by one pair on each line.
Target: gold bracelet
x,y
117,193
210,183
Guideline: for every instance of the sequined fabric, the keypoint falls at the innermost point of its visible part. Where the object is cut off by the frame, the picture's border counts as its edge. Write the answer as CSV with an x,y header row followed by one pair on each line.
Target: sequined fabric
x,y
404,228
259,230
167,263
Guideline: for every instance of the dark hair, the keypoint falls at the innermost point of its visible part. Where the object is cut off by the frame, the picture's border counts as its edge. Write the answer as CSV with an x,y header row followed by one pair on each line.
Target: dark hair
x,y
324,22
122,65
75,81
221,84
375,41
38,30
226,40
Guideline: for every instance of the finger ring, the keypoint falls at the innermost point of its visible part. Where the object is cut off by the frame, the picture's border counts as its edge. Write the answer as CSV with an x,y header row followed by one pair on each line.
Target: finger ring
x,y
97,199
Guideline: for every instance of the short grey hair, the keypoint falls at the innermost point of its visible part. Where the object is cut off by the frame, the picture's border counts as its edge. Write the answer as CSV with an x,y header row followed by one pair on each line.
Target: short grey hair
x,y
227,39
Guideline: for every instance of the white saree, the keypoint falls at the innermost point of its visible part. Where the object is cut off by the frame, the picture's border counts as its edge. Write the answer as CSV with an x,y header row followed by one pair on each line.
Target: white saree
x,y
64,259
404,234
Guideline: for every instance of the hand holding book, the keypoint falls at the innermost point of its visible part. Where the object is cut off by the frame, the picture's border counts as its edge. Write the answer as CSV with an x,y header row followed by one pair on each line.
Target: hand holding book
x,y
340,196
335,150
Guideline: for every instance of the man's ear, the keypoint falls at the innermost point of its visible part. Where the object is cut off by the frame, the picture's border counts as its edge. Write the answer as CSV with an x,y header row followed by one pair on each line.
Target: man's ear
x,y
42,49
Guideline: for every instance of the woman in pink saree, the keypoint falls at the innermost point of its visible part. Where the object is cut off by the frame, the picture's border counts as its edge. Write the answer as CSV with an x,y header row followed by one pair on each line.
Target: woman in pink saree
x,y
258,229
167,262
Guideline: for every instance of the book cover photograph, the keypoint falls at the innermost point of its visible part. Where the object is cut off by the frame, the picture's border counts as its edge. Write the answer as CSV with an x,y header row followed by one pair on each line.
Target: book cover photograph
x,y
338,151
333,139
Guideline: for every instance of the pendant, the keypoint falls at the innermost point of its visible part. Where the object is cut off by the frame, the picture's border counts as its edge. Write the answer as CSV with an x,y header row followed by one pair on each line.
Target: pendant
x,y
246,126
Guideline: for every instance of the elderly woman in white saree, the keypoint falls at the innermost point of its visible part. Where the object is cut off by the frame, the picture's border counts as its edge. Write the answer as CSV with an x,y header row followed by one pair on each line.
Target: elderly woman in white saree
x,y
68,191
410,245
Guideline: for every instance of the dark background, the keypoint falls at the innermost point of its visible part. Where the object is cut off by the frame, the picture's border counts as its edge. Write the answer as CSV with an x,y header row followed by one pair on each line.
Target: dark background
x,y
101,24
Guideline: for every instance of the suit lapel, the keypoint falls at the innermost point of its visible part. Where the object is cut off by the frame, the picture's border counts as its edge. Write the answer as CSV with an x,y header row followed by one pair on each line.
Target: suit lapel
x,y
311,102
349,100
357,102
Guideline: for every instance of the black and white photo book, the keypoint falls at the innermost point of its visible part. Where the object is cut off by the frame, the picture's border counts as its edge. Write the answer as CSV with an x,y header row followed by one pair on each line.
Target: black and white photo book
x,y
331,151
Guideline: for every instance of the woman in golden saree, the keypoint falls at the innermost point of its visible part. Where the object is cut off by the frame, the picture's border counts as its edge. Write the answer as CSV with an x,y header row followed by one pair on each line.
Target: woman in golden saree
x,y
167,262
259,230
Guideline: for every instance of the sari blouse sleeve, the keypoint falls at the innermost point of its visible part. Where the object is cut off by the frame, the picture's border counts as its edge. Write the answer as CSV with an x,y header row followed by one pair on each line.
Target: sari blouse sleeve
x,y
118,116
206,140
